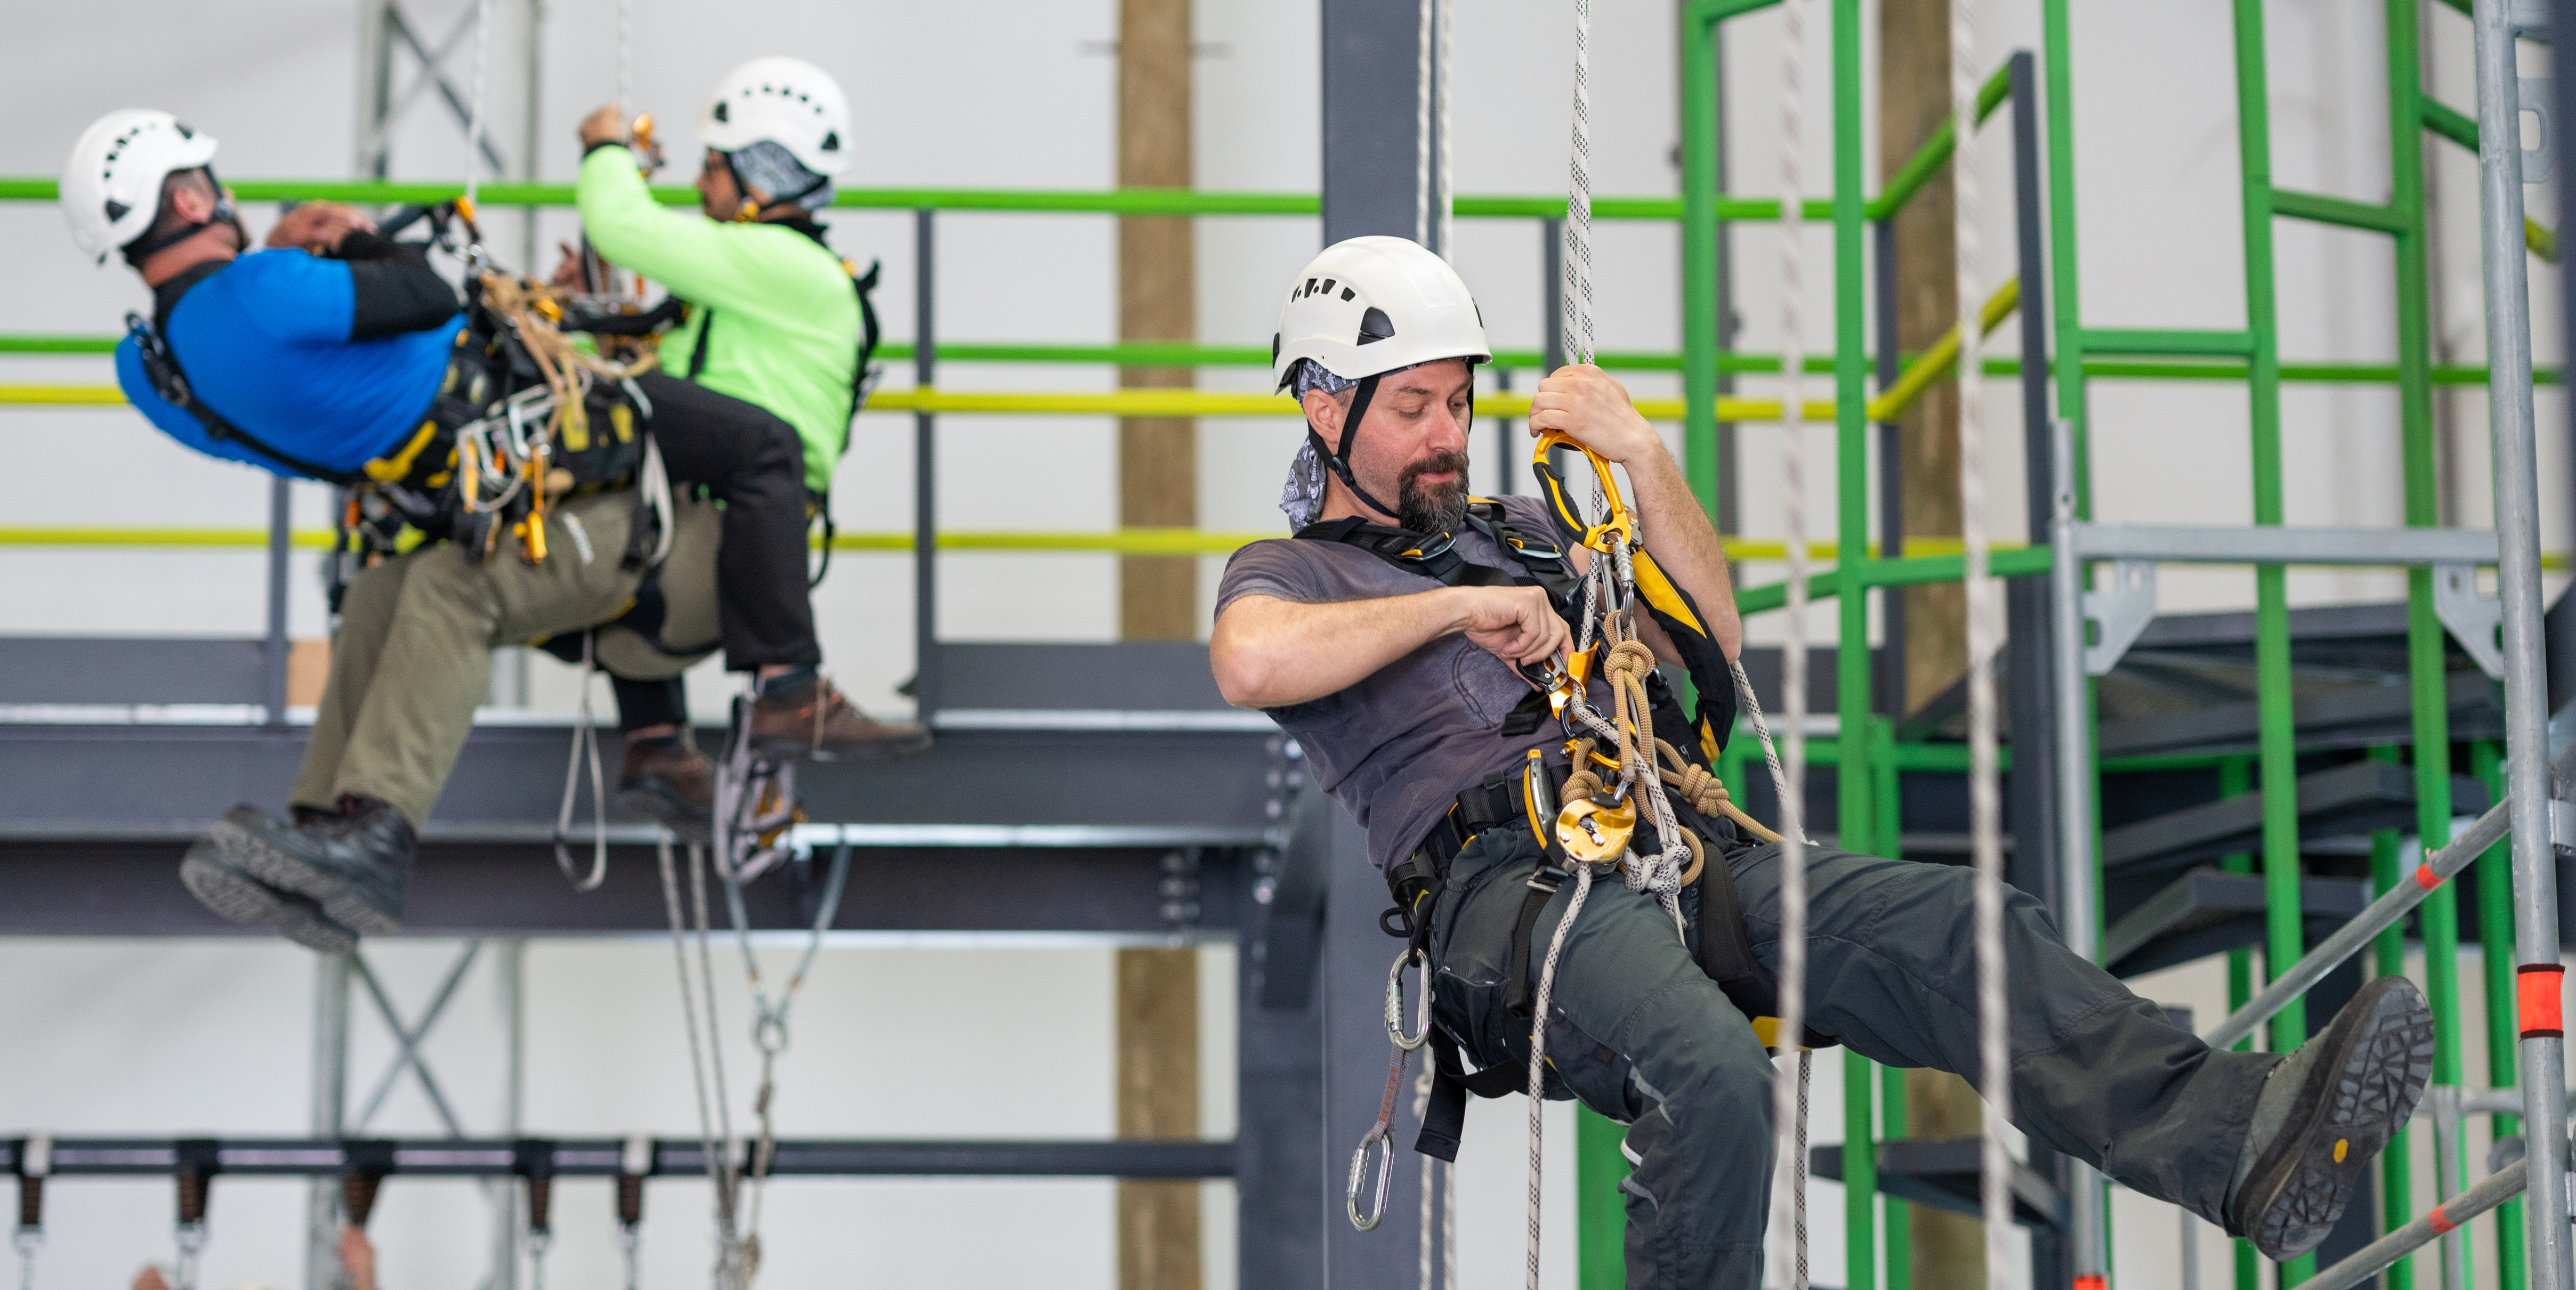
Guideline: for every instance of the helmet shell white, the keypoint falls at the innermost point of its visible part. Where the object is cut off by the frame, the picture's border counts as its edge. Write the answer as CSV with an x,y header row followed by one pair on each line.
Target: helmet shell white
x,y
1370,305
786,101
111,185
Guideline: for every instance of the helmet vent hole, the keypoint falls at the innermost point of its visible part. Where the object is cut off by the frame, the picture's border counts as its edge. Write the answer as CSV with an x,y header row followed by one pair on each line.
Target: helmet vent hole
x,y
832,141
116,210
1375,326
1346,294
721,114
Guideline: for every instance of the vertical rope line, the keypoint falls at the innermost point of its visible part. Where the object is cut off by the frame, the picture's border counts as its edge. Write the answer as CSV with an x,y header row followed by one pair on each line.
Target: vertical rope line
x,y
474,120
1578,203
1538,1051
1985,634
1788,1145
1421,1106
1448,169
1422,127
625,63
1448,1225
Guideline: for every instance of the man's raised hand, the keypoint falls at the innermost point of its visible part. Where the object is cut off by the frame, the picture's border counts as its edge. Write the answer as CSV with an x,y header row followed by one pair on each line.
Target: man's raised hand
x,y
1514,624
1591,406
318,226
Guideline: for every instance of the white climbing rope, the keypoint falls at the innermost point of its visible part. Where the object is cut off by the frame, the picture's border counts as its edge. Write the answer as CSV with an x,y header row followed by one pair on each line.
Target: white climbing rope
x,y
474,119
1447,205
585,741
706,1055
625,62
1578,205
1985,636
1431,200
1789,1149
769,1033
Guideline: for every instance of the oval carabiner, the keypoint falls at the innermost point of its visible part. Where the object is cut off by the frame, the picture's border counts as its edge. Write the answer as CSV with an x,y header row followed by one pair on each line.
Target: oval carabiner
x,y
1395,1003
1377,1137
1595,536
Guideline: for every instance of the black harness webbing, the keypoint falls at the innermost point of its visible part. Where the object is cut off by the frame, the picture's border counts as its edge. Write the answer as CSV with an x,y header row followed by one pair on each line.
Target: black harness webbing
x,y
1725,951
161,368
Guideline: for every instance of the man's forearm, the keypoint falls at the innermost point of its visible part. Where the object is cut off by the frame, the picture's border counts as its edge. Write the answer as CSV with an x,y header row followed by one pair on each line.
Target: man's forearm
x,y
1272,653
1685,544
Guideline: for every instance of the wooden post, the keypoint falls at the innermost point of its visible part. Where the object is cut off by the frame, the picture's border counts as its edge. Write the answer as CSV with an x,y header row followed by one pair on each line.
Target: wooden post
x,y
1158,1097
1914,99
1157,301
1158,1034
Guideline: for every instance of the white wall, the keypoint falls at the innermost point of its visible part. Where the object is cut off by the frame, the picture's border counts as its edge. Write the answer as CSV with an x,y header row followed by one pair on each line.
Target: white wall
x,y
140,1037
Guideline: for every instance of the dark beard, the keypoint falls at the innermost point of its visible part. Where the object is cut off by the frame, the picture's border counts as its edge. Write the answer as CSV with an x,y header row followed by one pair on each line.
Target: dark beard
x,y
1439,507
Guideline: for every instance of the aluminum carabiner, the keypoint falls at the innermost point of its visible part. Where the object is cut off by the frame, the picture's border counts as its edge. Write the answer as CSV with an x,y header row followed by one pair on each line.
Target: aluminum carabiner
x,y
1377,1137
1395,1002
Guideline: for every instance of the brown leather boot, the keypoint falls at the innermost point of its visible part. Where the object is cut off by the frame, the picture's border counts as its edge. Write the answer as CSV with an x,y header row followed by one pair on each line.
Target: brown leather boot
x,y
826,726
671,783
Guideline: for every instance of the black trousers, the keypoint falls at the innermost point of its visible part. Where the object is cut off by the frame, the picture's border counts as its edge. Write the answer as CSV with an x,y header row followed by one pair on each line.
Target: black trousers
x,y
748,458
1639,1033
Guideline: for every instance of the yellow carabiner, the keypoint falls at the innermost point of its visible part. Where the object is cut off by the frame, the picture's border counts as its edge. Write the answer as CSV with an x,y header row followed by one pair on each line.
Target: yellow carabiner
x,y
1595,536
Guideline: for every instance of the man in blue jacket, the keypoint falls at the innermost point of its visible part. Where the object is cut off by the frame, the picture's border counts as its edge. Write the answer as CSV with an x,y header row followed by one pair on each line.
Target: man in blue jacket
x,y
321,357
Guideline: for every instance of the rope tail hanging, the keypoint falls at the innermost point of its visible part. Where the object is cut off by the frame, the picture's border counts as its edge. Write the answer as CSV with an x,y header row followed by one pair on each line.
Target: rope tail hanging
x,y
1985,636
1789,1150
1431,201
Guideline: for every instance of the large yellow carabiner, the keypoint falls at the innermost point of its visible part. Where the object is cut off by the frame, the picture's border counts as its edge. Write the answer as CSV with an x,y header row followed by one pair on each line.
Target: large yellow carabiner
x,y
1598,537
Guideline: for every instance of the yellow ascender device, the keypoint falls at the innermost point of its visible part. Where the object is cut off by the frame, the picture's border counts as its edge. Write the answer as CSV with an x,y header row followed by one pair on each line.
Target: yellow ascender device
x,y
648,151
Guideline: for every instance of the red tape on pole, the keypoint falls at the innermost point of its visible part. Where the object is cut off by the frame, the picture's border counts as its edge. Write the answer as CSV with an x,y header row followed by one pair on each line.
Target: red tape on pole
x,y
2091,1281
2540,986
2426,878
2442,1226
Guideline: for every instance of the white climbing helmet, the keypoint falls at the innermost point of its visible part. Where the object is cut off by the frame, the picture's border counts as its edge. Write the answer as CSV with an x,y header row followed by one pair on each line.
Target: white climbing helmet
x,y
111,185
786,101
1371,305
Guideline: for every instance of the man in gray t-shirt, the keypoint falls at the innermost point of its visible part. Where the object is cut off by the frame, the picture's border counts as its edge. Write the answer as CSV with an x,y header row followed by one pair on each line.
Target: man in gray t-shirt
x,y
1399,684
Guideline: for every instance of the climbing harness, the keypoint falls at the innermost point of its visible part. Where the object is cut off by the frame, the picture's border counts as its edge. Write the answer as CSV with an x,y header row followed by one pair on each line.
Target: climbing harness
x,y
35,1155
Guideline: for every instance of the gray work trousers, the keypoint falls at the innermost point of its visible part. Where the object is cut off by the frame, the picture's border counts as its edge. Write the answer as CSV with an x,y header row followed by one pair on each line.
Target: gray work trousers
x,y
1640,1033
412,656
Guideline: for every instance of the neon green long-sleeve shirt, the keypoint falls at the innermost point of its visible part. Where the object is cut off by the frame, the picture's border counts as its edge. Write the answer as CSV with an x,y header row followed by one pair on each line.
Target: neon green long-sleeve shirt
x,y
785,320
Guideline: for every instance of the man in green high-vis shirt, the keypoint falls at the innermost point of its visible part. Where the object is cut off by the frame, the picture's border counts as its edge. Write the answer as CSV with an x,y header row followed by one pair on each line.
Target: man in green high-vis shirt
x,y
775,322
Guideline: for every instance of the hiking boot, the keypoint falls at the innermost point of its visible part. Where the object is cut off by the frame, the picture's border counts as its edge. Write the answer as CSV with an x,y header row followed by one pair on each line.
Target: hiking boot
x,y
671,783
356,867
823,724
229,890
2324,1112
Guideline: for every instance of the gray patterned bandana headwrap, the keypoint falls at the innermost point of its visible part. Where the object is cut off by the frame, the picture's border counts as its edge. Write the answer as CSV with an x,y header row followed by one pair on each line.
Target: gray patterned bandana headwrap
x,y
1304,493
772,169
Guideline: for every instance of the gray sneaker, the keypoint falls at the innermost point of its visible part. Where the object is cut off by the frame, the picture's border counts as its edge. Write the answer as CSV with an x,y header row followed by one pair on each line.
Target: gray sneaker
x,y
2324,1113
230,891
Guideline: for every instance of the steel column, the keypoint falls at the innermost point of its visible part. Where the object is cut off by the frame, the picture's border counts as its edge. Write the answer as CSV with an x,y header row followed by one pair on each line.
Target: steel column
x,y
1369,81
330,1096
2517,507
925,477
274,648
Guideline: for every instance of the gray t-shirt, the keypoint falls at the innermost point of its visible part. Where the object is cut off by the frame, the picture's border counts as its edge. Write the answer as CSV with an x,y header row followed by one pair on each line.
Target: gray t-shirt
x,y
1399,746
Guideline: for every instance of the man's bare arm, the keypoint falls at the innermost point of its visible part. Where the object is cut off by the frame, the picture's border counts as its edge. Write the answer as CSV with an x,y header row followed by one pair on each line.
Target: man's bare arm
x,y
1271,653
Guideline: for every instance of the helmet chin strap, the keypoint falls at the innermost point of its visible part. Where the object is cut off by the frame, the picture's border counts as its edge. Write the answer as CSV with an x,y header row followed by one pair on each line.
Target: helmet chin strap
x,y
1340,460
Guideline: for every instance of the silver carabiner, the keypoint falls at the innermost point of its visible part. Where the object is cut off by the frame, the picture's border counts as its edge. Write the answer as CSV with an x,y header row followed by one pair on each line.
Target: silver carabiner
x,y
1395,1004
1377,1137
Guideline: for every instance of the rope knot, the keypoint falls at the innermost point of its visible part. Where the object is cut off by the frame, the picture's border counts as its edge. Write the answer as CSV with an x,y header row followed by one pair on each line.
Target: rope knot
x,y
1629,660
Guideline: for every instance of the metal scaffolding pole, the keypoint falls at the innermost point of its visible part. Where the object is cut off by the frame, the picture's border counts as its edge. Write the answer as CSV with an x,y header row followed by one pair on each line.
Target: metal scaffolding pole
x,y
330,1108
2517,504
2076,865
